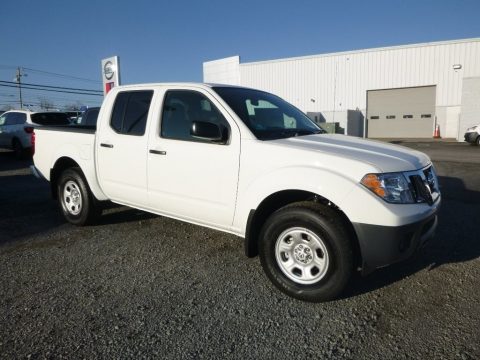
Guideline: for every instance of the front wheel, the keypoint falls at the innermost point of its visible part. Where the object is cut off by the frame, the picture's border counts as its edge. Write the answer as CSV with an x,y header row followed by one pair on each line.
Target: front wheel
x,y
77,203
306,251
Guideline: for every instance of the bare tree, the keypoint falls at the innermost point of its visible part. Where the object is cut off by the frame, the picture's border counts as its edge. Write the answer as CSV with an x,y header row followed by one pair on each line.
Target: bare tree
x,y
73,107
46,104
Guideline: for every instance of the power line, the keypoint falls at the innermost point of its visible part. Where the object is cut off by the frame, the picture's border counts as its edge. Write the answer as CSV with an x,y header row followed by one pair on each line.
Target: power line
x,y
53,87
49,73
62,75
52,90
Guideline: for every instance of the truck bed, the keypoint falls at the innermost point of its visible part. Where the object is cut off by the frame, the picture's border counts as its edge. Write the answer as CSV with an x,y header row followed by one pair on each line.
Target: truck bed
x,y
54,143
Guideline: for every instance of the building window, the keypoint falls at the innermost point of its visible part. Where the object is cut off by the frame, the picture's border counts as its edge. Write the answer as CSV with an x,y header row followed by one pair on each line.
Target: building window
x,y
408,116
426,116
374,117
390,116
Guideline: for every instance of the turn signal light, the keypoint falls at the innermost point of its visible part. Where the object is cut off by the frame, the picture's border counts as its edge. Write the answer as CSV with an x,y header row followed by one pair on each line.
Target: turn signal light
x,y
372,182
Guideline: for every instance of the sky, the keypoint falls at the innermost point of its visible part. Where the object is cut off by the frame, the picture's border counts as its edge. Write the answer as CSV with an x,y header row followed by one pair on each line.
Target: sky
x,y
160,41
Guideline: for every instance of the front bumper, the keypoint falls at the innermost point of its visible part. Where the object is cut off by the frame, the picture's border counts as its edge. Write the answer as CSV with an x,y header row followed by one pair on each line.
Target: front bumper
x,y
471,137
384,245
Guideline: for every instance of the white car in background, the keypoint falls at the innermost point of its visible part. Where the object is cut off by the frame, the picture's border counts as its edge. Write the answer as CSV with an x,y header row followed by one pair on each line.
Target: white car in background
x,y
472,135
16,128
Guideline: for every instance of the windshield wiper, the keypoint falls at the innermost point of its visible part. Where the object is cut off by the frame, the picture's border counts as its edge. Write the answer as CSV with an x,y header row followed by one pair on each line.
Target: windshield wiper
x,y
274,134
296,132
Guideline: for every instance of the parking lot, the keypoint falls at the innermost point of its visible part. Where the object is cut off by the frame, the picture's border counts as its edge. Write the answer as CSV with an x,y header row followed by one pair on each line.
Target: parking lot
x,y
143,286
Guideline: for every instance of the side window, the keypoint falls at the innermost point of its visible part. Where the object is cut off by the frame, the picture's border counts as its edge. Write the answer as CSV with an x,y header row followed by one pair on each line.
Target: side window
x,y
10,117
119,111
130,112
19,119
92,117
3,119
181,108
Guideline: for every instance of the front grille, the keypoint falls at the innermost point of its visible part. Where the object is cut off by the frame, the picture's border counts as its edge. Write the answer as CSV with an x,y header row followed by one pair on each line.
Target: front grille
x,y
421,189
425,185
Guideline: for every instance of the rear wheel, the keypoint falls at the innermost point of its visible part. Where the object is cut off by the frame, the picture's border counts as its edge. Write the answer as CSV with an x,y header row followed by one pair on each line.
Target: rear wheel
x,y
77,202
477,142
306,251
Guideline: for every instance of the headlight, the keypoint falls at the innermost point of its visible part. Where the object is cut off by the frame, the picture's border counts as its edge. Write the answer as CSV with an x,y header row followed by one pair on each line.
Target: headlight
x,y
472,128
391,187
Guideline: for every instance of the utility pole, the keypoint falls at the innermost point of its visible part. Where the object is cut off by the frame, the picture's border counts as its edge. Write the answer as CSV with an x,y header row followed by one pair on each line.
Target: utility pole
x,y
18,78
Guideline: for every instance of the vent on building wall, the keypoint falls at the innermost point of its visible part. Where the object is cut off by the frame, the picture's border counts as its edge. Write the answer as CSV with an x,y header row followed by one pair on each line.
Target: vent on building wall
x,y
408,116
426,116
374,117
390,116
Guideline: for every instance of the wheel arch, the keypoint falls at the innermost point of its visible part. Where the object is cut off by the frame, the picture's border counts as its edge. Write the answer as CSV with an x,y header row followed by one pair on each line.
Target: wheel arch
x,y
277,200
60,166
88,172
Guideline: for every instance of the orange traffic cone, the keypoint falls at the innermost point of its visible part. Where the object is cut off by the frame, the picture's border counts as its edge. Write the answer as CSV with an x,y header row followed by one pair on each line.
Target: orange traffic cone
x,y
436,133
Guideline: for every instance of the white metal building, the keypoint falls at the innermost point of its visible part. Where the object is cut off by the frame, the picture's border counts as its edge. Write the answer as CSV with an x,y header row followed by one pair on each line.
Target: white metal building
x,y
402,91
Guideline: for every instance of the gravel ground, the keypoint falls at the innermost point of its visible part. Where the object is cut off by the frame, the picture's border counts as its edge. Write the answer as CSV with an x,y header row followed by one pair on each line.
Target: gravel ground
x,y
143,286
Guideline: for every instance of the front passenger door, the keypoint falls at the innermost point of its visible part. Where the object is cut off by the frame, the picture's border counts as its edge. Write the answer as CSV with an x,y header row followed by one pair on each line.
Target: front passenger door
x,y
188,177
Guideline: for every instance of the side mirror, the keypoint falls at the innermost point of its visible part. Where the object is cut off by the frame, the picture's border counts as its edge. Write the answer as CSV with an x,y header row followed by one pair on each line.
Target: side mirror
x,y
206,131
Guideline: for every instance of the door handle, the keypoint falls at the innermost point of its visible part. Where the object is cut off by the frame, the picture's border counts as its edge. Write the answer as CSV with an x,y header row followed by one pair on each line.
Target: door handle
x,y
106,145
158,152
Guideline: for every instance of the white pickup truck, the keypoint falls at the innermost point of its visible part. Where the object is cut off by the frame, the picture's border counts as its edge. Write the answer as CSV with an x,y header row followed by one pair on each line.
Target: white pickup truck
x,y
314,207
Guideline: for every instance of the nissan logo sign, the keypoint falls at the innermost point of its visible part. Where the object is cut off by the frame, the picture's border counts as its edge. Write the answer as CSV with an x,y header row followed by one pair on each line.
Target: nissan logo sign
x,y
108,70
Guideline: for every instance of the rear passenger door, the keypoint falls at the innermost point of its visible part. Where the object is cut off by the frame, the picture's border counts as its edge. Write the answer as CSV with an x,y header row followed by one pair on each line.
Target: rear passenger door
x,y
191,178
121,148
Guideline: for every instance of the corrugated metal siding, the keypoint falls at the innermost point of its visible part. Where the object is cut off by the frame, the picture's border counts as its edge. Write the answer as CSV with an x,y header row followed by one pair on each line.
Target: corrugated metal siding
x,y
340,81
222,71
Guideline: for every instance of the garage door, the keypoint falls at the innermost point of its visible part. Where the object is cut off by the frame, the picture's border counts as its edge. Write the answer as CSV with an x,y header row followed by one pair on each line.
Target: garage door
x,y
401,113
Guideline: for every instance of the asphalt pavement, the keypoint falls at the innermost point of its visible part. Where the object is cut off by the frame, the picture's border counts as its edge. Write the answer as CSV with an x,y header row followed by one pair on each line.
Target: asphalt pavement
x,y
138,285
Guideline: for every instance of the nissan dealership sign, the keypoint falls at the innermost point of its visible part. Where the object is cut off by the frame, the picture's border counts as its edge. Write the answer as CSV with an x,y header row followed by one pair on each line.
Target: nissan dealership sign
x,y
110,73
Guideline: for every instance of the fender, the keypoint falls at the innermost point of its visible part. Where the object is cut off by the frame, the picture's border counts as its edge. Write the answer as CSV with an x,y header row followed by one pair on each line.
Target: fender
x,y
322,182
83,156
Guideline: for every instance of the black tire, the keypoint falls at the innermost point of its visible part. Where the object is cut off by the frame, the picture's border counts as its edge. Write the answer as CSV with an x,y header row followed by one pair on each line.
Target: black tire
x,y
18,149
321,223
73,182
477,142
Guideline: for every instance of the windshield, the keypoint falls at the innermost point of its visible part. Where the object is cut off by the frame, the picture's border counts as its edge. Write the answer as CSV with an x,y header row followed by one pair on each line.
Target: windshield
x,y
266,115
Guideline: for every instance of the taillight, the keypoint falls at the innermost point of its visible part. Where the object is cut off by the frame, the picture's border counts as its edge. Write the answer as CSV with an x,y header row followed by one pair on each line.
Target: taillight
x,y
28,129
32,141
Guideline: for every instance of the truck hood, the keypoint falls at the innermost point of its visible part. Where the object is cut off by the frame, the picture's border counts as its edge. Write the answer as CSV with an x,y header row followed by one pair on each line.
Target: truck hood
x,y
383,156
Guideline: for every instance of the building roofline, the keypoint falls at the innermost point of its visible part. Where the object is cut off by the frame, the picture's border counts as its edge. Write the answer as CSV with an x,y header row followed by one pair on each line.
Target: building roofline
x,y
351,52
